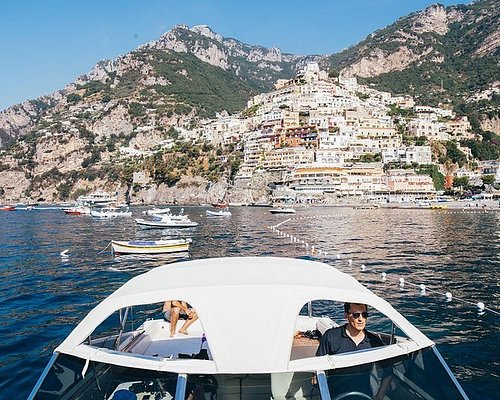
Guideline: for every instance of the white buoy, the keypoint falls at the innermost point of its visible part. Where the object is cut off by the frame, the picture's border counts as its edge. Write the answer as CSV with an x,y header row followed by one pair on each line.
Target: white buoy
x,y
480,306
401,282
422,288
384,276
363,267
449,296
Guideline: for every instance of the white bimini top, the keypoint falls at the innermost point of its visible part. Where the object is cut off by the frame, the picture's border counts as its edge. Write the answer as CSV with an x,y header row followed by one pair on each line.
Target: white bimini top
x,y
248,308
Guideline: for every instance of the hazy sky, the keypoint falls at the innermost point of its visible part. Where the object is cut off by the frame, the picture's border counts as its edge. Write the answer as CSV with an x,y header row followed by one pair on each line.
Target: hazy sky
x,y
45,44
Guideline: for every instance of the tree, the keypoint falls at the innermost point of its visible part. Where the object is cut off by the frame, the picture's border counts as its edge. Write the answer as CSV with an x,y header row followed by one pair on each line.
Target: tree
x,y
462,182
421,141
488,179
73,98
333,73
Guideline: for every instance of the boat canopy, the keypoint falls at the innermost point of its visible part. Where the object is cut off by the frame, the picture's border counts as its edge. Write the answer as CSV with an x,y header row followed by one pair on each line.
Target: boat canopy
x,y
248,308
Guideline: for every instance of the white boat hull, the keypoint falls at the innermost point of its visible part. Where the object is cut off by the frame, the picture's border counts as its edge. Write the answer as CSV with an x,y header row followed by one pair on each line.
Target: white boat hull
x,y
166,224
218,213
104,215
282,211
150,247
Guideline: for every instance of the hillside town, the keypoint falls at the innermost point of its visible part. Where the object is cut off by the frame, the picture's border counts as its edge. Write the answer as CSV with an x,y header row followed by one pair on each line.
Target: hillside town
x,y
328,138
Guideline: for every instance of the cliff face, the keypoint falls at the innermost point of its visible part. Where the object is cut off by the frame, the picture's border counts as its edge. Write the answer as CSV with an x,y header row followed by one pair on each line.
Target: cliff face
x,y
424,37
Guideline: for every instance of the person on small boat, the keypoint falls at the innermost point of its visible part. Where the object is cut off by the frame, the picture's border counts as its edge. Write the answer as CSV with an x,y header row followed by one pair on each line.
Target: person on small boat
x,y
174,310
350,337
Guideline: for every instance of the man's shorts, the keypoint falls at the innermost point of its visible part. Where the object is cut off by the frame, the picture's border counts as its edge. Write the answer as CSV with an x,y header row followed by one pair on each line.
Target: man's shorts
x,y
168,313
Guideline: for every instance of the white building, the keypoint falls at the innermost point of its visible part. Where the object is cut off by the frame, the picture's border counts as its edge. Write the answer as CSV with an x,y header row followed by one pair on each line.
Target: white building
x,y
430,129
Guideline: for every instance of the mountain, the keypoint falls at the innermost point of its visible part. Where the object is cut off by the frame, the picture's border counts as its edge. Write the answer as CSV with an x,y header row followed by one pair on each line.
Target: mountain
x,y
69,140
187,72
439,55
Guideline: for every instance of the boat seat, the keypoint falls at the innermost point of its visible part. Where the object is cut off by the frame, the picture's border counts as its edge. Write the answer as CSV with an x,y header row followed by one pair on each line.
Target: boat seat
x,y
291,385
323,324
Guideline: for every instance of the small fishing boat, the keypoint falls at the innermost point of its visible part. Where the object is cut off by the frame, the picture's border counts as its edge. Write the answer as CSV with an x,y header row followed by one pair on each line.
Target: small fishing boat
x,y
7,208
77,209
150,247
159,213
247,354
110,212
220,204
165,221
282,210
219,213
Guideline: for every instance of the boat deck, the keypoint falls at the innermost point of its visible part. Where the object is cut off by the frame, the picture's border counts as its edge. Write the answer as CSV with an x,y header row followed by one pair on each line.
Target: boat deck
x,y
153,339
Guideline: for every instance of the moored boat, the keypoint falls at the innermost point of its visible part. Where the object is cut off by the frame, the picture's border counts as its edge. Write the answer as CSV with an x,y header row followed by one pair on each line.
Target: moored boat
x,y
110,212
219,213
97,198
282,210
248,354
220,204
150,246
77,209
7,208
165,221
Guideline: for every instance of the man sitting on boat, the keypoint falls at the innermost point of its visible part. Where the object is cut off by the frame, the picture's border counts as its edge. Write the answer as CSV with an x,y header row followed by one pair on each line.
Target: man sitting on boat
x,y
350,337
174,310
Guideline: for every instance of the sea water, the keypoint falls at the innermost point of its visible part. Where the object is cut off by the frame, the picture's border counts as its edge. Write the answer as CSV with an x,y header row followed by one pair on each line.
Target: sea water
x,y
44,294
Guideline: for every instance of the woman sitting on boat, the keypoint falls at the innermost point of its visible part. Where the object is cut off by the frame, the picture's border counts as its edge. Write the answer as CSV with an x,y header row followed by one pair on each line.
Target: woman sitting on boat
x,y
174,310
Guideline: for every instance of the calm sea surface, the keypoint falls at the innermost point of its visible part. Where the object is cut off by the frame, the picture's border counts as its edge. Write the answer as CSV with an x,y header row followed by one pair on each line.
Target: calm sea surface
x,y
43,296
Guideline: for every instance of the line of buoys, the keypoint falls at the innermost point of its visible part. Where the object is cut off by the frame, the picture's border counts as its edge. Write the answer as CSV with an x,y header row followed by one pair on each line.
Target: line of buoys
x,y
313,249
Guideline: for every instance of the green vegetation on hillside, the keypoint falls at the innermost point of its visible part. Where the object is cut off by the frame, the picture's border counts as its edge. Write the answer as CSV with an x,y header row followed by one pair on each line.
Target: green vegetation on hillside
x,y
197,84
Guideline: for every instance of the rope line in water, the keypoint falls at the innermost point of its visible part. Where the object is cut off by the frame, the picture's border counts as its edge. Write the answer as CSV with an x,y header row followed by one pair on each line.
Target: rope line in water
x,y
402,282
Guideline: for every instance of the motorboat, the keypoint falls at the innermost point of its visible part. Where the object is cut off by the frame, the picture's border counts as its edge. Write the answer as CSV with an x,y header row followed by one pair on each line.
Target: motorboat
x,y
7,208
159,213
240,352
224,212
77,209
220,204
282,210
150,246
97,198
166,221
110,212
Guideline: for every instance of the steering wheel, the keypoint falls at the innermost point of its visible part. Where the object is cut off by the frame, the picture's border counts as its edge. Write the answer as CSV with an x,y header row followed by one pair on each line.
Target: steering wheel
x,y
349,394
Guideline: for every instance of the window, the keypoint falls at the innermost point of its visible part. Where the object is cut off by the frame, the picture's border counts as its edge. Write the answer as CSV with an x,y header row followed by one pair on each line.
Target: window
x,y
419,375
102,381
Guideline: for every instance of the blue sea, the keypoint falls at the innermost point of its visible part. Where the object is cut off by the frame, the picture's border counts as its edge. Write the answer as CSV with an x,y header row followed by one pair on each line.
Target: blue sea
x,y
44,295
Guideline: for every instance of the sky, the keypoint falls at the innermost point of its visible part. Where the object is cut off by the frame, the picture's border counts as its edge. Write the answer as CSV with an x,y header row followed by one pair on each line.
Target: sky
x,y
46,44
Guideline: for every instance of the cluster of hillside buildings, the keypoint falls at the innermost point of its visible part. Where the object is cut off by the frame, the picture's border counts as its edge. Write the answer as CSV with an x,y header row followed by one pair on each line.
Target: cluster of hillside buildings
x,y
319,134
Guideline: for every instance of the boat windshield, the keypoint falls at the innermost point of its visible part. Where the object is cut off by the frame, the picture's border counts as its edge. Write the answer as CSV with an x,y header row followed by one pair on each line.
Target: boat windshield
x,y
69,378
419,375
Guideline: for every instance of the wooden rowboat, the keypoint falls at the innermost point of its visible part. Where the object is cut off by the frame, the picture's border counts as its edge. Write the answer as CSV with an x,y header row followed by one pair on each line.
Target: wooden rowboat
x,y
150,246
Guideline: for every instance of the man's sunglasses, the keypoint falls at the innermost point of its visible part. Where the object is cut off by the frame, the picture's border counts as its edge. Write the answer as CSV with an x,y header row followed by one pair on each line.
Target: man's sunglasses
x,y
356,315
